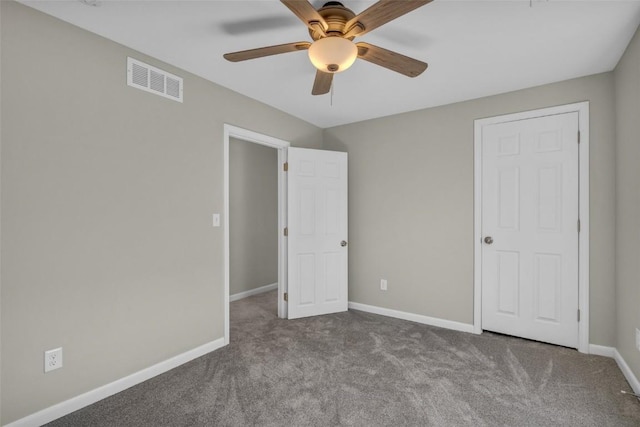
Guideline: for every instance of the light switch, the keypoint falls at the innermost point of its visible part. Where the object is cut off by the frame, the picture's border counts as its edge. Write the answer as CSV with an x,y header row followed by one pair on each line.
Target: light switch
x,y
216,220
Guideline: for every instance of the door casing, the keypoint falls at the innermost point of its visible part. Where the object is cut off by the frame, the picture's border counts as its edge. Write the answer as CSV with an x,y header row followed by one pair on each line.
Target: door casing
x,y
582,108
281,147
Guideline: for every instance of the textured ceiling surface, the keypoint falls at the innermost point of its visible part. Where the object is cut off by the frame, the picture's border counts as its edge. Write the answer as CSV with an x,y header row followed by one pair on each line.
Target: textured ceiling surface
x,y
474,48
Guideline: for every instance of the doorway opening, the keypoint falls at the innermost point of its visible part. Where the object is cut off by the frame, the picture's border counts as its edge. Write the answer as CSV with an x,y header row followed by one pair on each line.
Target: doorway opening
x,y
253,219
242,137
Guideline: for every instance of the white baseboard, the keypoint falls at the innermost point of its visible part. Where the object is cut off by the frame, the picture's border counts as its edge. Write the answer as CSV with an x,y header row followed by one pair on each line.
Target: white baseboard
x,y
256,291
418,318
627,372
612,352
61,409
601,350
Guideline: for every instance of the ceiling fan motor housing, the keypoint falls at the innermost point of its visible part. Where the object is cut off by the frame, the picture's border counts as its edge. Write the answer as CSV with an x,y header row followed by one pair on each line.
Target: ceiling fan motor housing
x,y
336,15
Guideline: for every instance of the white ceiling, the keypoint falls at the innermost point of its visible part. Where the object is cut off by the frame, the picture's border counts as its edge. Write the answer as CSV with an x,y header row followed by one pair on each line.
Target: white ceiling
x,y
474,48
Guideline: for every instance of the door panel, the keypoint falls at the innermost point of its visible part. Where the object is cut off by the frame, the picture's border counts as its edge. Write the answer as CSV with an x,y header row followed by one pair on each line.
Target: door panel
x,y
317,218
547,286
509,198
530,209
508,282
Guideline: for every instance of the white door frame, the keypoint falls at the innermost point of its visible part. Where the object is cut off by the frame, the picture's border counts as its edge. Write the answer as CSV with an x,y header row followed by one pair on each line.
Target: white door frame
x,y
582,108
281,146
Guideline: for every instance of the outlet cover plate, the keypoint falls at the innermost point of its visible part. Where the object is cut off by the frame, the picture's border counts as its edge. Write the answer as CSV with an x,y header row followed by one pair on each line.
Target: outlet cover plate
x,y
383,284
638,339
52,359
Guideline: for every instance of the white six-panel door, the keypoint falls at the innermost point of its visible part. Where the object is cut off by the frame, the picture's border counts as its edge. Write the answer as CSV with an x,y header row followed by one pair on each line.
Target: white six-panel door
x,y
317,232
530,228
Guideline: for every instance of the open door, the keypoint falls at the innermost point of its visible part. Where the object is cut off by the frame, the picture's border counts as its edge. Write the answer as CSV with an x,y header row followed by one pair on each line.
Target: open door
x,y
317,232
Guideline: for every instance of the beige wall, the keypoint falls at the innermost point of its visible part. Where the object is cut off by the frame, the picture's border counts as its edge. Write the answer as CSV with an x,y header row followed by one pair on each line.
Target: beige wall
x,y
411,202
253,216
627,85
107,195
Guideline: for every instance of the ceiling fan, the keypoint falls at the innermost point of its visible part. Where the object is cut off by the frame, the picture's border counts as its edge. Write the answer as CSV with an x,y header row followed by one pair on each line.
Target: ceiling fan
x,y
333,28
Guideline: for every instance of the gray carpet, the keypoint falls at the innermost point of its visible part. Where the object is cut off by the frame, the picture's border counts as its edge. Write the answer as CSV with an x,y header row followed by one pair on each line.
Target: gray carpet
x,y
361,369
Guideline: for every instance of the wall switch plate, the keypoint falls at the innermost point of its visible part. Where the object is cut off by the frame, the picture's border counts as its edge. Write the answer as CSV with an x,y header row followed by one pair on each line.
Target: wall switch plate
x,y
383,284
216,220
53,359
638,339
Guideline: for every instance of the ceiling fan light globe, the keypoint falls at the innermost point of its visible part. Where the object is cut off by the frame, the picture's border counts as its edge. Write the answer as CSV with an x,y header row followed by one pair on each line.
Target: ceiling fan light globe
x,y
333,54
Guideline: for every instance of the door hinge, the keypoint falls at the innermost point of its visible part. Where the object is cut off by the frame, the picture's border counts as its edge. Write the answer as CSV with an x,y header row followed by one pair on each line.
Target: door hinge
x,y
578,137
578,226
578,315
286,296
285,166
286,231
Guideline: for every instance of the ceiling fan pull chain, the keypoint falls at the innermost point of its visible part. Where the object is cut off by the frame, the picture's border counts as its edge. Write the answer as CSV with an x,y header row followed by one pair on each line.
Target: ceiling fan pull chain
x,y
332,84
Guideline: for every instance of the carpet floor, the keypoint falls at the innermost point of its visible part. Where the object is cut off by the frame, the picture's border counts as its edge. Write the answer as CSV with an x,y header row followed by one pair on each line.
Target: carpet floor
x,y
362,369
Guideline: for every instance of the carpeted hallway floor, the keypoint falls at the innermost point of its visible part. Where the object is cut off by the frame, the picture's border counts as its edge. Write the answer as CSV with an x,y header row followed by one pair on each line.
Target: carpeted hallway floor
x,y
361,369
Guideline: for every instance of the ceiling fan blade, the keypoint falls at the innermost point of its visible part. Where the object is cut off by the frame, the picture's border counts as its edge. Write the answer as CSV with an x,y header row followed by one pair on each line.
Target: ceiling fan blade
x,y
380,13
266,51
322,83
307,14
392,60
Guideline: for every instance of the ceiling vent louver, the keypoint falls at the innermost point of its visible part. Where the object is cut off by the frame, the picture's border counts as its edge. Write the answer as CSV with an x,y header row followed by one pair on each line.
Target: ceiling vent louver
x,y
151,79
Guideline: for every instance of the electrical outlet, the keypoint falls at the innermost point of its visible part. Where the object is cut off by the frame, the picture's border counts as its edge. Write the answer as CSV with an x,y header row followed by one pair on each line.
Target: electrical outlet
x,y
638,339
52,359
383,284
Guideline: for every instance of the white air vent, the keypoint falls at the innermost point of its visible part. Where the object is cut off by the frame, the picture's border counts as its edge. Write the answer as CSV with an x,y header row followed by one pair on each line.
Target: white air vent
x,y
154,80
